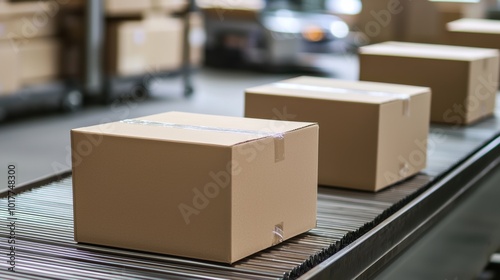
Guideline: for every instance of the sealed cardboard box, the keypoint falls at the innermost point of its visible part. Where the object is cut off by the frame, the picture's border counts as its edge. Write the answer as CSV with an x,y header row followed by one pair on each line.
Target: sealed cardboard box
x,y
200,186
137,47
481,33
463,80
372,134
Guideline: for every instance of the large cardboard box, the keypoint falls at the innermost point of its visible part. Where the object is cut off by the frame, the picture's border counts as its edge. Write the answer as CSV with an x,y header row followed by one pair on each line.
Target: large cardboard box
x,y
463,80
138,47
372,134
207,187
481,33
26,20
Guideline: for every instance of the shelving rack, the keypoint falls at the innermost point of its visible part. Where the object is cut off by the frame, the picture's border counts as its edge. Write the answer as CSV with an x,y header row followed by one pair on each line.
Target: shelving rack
x,y
95,85
98,85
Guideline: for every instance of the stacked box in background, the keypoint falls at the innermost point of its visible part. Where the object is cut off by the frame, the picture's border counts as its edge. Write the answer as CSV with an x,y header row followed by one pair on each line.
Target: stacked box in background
x,y
463,80
29,44
481,33
140,46
420,21
146,36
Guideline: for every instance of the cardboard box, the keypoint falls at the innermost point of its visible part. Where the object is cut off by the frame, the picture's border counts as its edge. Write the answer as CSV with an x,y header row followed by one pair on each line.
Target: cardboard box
x,y
380,20
481,33
463,80
421,21
126,7
169,6
30,62
138,47
26,20
372,134
9,80
200,186
39,60
231,10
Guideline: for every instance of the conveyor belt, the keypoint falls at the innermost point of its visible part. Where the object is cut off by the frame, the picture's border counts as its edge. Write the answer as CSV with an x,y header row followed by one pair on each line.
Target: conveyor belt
x,y
45,246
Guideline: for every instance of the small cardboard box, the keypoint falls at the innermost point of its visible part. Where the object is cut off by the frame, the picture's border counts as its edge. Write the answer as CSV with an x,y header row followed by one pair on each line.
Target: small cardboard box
x,y
200,186
463,80
481,33
372,134
150,45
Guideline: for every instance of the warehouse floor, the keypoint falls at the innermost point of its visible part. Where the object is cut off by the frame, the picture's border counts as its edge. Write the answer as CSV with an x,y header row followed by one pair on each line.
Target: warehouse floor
x,y
39,145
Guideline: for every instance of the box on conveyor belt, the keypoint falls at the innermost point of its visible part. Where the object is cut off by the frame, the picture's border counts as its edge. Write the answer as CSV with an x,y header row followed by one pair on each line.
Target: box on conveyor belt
x,y
139,47
463,79
200,186
481,33
22,21
372,135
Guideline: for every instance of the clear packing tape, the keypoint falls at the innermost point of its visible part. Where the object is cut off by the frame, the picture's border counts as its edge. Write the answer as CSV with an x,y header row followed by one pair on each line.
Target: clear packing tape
x,y
405,98
279,138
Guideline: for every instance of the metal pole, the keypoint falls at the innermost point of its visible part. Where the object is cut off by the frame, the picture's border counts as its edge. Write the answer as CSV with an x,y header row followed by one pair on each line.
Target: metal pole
x,y
94,48
186,51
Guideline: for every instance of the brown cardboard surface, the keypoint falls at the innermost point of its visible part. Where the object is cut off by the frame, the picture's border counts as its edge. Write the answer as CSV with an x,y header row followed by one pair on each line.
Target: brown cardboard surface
x,y
421,21
227,177
463,80
368,131
39,59
26,20
169,6
137,47
126,7
164,43
9,80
